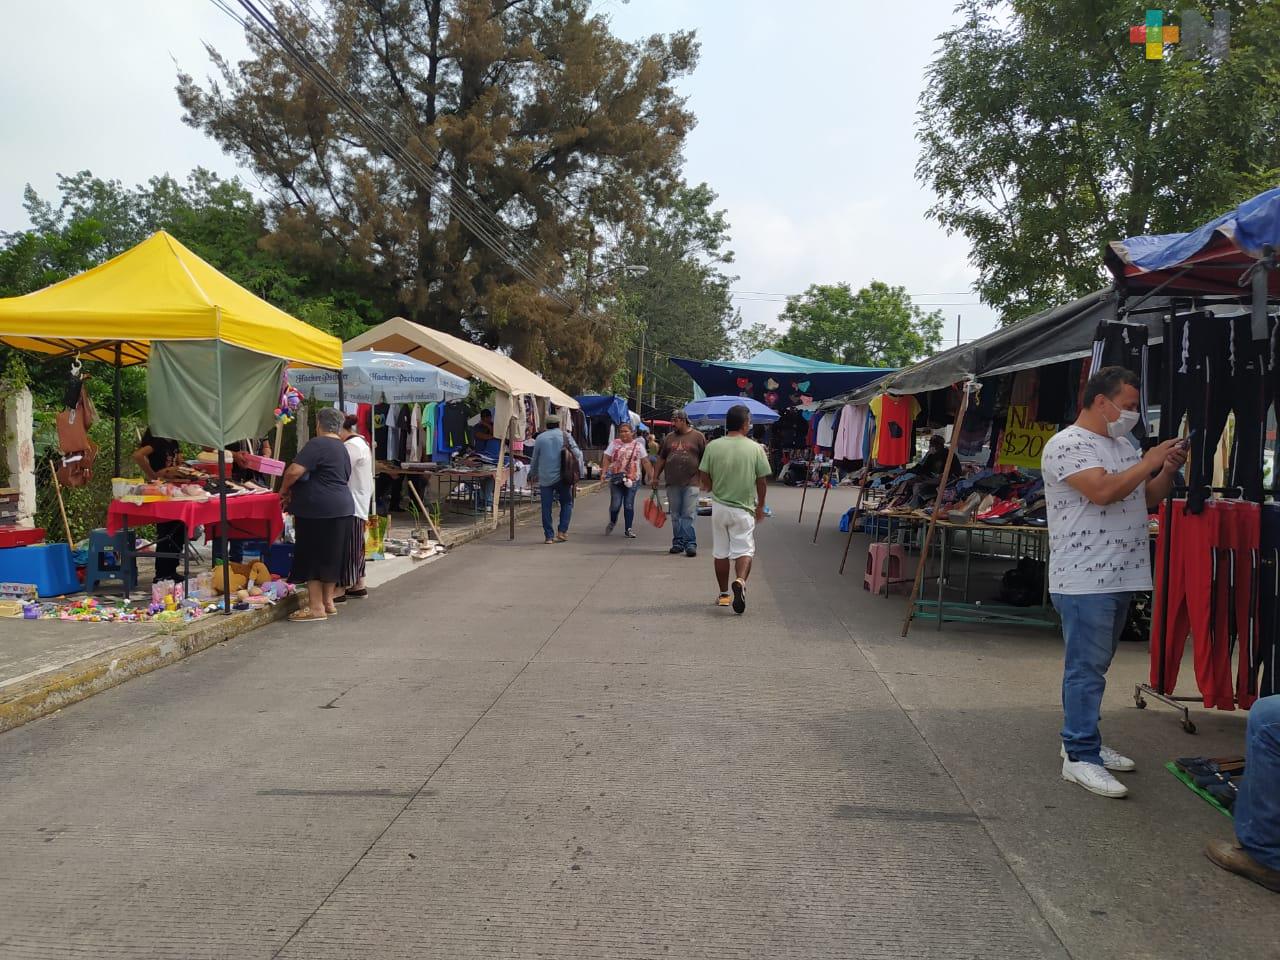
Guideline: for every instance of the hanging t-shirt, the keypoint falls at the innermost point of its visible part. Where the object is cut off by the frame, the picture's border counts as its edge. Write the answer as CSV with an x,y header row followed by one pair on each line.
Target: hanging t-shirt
x,y
895,436
380,431
853,424
1093,549
826,435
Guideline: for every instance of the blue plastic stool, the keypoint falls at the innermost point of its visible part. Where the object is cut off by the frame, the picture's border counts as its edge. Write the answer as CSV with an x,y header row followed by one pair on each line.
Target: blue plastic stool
x,y
123,571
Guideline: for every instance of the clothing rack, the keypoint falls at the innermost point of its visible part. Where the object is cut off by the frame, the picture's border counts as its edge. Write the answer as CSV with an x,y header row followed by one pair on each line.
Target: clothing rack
x,y
1260,302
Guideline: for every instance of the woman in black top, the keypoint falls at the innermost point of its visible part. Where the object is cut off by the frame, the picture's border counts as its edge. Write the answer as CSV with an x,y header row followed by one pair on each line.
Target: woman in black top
x,y
316,492
155,455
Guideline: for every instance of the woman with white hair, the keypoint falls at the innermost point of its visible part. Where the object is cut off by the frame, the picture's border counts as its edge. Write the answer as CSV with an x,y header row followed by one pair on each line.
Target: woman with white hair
x,y
316,492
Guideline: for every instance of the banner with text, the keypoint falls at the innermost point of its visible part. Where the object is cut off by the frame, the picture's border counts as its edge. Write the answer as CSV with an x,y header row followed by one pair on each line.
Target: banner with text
x,y
1024,439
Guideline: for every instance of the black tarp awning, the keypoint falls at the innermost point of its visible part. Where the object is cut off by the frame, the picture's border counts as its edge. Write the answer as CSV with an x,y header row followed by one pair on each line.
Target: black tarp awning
x,y
1052,336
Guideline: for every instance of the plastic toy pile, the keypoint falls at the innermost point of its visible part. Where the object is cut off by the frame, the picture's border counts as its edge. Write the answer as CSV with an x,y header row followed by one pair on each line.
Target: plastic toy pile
x,y
168,603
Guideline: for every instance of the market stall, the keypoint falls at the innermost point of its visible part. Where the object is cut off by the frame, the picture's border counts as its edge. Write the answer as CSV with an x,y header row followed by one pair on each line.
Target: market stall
x,y
521,396
1219,542
1000,397
214,352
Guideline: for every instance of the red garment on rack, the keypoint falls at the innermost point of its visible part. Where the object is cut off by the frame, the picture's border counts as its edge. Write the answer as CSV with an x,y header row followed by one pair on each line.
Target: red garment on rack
x,y
1212,595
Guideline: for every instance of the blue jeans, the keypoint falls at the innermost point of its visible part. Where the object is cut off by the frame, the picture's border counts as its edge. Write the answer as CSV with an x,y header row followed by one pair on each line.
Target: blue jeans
x,y
624,499
564,493
1257,811
1091,626
684,507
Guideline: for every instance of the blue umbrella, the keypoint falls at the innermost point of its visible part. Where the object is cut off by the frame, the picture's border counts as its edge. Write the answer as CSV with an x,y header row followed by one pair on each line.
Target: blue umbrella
x,y
712,410
377,376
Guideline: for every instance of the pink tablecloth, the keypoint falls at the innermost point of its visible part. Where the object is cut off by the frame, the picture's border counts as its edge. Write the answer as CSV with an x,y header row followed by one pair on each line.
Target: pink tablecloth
x,y
253,516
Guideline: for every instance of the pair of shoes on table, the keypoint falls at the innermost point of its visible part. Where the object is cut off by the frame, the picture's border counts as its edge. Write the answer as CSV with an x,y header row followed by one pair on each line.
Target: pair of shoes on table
x,y
1097,778
1231,856
1001,511
966,511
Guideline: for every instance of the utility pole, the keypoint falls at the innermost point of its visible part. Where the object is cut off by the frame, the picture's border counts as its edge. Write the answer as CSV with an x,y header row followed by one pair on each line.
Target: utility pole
x,y
640,375
957,329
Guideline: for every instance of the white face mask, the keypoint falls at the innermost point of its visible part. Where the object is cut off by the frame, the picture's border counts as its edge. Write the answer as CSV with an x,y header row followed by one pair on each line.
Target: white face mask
x,y
1124,425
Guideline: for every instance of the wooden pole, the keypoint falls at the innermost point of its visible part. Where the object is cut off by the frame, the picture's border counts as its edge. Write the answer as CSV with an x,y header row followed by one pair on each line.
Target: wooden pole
x,y
857,509
275,449
62,507
804,492
970,386
426,514
825,490
511,480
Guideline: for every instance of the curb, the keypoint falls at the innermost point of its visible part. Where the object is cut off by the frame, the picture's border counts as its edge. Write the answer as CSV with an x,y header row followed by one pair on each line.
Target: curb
x,y
40,696
49,692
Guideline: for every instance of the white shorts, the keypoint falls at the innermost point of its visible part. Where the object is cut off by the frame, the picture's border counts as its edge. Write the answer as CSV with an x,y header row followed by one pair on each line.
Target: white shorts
x,y
733,532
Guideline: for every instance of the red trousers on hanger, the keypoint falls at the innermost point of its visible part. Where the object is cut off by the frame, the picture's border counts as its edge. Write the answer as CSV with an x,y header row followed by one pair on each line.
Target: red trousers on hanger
x,y
1212,595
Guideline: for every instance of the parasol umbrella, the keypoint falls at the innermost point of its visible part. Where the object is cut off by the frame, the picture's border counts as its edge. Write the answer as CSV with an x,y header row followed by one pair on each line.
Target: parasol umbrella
x,y
712,410
377,376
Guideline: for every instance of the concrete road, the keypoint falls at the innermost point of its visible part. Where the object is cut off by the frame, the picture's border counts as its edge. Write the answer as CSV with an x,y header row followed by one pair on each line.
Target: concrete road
x,y
568,751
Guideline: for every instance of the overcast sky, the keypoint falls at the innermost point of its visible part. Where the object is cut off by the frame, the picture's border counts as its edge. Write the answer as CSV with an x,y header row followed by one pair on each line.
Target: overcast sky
x,y
805,126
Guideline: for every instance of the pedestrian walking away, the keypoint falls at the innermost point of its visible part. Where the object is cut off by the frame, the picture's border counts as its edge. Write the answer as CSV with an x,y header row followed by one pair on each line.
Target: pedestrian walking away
x,y
623,469
1098,490
680,458
546,470
316,491
736,471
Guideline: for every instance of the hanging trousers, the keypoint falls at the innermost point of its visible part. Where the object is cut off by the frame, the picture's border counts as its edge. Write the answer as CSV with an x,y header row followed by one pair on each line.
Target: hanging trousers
x,y
1212,590
1124,345
1219,370
1265,681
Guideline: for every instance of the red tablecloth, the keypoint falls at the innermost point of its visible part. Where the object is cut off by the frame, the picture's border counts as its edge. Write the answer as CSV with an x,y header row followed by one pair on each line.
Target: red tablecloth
x,y
251,516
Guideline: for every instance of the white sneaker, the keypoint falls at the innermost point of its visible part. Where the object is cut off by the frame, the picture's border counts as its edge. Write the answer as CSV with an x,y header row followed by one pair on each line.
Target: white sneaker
x,y
1111,759
1093,778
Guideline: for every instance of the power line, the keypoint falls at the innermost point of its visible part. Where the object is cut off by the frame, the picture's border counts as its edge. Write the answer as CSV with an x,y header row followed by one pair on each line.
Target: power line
x,y
482,223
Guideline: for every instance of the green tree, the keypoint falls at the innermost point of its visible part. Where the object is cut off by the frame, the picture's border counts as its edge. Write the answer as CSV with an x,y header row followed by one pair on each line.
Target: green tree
x,y
757,337
878,326
534,108
1045,135
681,299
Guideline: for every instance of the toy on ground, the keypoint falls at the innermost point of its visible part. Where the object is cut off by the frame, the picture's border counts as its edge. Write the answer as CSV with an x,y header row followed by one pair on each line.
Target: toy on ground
x,y
241,574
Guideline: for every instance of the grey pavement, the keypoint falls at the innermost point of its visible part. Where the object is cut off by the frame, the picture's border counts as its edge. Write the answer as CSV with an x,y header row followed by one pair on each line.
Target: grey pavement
x,y
568,751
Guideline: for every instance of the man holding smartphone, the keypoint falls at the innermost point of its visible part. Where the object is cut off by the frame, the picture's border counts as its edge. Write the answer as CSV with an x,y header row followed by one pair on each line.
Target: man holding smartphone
x,y
1098,491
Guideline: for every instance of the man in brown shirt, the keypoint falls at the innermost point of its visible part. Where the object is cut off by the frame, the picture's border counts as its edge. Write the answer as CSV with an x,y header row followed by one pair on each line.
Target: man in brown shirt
x,y
680,457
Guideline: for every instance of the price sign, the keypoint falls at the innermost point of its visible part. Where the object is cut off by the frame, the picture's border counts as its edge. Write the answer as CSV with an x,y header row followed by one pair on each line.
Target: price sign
x,y
1024,439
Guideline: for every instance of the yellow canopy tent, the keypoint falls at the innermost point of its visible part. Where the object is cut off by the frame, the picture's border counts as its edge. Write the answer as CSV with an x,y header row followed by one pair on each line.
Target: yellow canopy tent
x,y
215,353
157,291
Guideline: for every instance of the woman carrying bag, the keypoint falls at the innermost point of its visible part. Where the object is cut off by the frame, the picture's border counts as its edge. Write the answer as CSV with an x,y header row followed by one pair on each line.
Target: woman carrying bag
x,y
623,467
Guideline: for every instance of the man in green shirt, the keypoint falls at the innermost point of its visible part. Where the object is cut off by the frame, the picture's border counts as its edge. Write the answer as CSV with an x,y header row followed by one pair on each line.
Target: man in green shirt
x,y
736,471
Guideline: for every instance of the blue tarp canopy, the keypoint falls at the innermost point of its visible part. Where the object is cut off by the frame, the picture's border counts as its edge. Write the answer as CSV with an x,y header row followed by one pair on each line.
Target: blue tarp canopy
x,y
1211,259
615,408
775,372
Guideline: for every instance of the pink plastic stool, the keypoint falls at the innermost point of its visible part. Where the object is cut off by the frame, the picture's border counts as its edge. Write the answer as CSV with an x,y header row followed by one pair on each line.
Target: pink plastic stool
x,y
885,567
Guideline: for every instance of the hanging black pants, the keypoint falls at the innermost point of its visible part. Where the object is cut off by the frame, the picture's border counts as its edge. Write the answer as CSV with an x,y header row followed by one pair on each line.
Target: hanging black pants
x,y
1124,345
1219,370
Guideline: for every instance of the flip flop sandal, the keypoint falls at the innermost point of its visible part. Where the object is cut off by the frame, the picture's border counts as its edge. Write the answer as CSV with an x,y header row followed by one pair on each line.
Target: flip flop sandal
x,y
304,616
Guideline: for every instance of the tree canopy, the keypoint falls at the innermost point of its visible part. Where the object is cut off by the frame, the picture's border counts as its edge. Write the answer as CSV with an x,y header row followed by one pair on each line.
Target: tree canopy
x,y
533,109
1044,135
681,298
878,326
